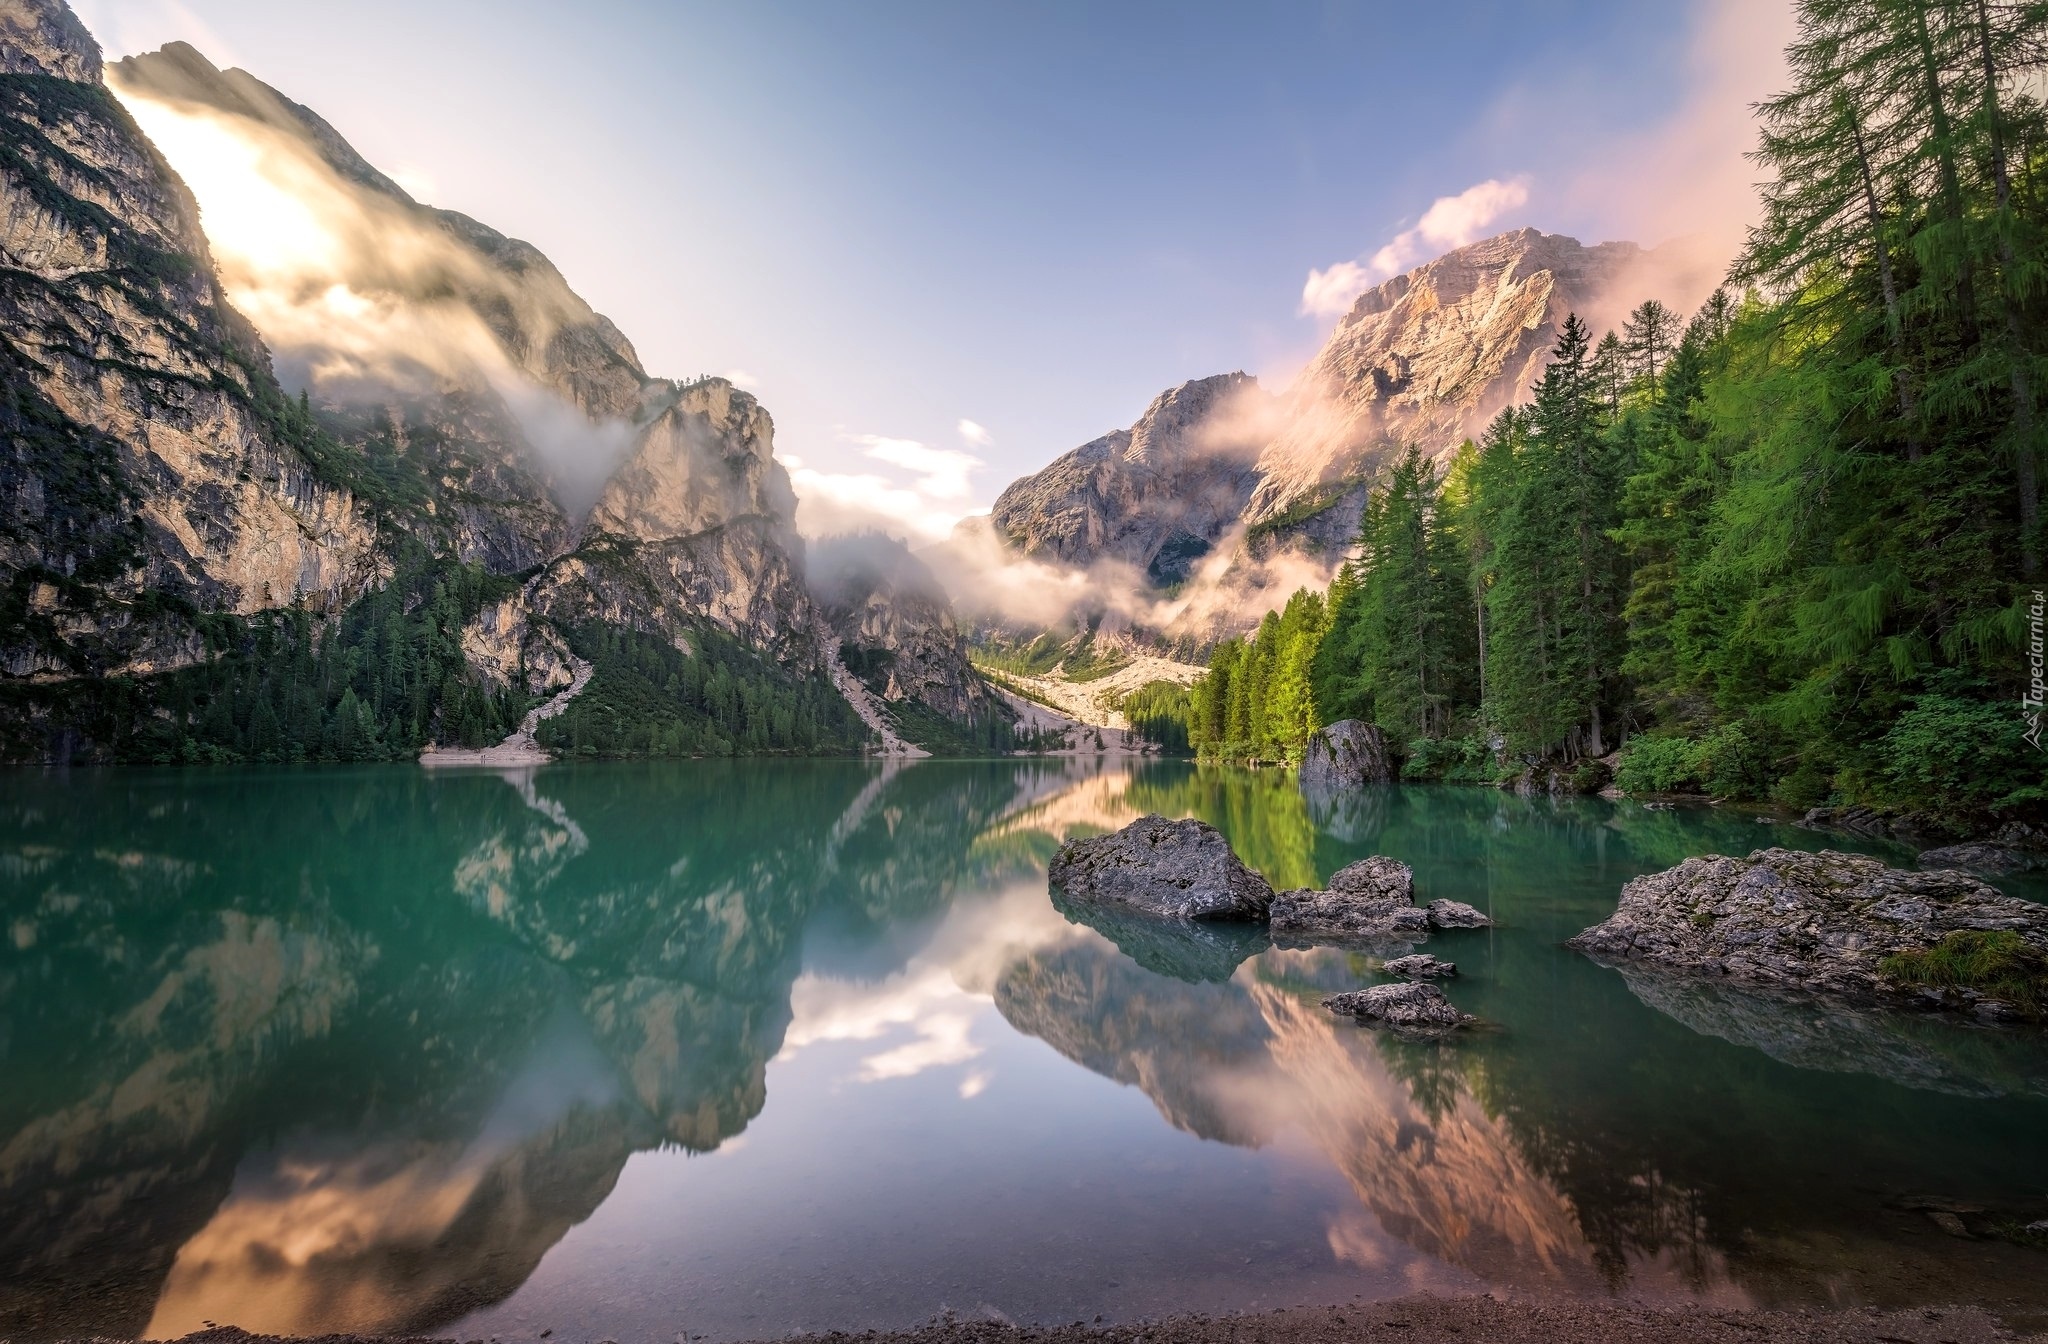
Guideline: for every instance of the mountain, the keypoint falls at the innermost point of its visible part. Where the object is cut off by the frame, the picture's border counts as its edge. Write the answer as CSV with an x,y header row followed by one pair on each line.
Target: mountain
x,y
1223,498
473,436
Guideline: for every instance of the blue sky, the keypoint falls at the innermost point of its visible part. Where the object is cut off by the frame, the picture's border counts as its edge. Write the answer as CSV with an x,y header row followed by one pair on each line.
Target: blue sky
x,y
893,217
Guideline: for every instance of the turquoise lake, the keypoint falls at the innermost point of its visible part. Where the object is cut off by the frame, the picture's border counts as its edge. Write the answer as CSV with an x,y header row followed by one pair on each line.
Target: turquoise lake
x,y
636,1052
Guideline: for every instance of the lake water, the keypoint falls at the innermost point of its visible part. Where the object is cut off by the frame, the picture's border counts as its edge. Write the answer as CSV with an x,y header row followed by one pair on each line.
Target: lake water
x,y
643,1051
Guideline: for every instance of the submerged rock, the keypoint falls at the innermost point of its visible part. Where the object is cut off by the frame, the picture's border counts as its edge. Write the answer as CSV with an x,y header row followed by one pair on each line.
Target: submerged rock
x,y
1824,921
1984,857
1372,900
1420,966
1402,1006
1178,869
1346,755
1457,915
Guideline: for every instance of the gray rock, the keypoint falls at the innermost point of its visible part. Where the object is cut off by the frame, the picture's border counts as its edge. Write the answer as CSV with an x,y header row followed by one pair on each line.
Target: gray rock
x,y
1409,1006
1368,901
1457,915
1822,921
1420,966
1346,755
1984,857
1178,869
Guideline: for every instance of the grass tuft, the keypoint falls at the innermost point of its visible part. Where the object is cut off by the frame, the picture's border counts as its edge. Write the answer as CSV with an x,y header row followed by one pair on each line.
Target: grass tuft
x,y
1999,964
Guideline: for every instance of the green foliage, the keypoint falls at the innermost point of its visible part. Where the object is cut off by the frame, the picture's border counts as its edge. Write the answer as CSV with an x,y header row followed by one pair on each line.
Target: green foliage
x,y
1258,701
1999,964
1968,753
1726,762
1158,712
649,698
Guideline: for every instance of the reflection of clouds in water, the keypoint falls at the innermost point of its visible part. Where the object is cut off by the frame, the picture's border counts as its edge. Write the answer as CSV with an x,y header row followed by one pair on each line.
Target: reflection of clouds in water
x,y
923,1015
305,1241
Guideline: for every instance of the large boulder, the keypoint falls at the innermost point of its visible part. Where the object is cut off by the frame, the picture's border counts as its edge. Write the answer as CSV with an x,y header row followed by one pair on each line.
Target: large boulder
x,y
1406,1006
1447,914
1346,755
1370,901
1822,921
1177,869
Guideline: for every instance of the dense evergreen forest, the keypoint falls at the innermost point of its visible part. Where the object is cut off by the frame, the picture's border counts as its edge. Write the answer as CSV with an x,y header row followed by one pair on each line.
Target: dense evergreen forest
x,y
1787,548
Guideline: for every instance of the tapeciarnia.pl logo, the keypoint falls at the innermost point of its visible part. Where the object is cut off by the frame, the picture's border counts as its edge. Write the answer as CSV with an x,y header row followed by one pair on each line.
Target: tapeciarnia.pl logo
x,y
2035,663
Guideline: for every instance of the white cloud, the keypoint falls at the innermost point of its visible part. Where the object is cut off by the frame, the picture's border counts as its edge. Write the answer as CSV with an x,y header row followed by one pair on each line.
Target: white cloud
x,y
941,472
741,379
417,182
975,434
929,493
1450,222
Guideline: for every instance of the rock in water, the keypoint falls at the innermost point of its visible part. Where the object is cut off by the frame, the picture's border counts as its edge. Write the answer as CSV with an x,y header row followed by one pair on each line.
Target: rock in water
x,y
1181,869
1457,915
1822,921
1346,755
1372,900
1402,1006
1420,966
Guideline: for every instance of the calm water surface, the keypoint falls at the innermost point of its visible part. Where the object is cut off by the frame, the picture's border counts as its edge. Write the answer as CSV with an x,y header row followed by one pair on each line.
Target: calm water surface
x,y
637,1051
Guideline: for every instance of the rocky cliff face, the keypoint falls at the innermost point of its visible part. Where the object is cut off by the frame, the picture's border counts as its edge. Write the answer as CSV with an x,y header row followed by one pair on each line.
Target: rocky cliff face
x,y
697,524
1157,496
150,472
895,628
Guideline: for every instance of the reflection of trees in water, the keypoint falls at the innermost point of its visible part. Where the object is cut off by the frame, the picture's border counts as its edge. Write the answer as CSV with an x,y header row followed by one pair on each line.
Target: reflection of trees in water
x,y
382,958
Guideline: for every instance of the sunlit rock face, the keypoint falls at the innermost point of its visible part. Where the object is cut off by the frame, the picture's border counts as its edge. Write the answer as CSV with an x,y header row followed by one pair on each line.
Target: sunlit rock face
x,y
143,450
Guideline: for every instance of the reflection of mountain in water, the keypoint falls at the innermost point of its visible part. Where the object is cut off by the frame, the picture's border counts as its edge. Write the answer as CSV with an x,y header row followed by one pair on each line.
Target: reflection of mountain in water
x,y
415,1027
1244,1060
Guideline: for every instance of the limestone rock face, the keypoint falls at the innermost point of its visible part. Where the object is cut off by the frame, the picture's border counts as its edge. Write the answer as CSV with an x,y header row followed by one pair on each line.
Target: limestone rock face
x,y
1426,358
43,37
148,472
1178,869
895,628
1404,1006
1346,755
1820,921
696,525
1157,496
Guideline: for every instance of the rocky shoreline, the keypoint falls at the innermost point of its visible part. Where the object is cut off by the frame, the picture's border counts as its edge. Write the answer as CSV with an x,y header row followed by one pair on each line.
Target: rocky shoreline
x,y
1420,1319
